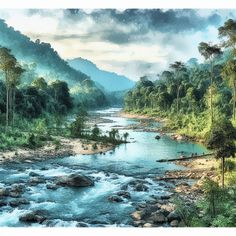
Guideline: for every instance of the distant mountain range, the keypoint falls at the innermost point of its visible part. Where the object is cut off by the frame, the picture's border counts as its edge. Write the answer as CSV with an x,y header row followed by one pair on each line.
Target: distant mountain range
x,y
45,57
86,81
110,81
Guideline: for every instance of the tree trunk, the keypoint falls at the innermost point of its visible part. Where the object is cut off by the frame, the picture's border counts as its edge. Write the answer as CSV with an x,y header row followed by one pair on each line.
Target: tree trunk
x,y
211,93
234,99
10,106
13,107
7,97
223,172
7,106
178,99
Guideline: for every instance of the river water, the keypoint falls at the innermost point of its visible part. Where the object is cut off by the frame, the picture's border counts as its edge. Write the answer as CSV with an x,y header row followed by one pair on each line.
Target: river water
x,y
89,206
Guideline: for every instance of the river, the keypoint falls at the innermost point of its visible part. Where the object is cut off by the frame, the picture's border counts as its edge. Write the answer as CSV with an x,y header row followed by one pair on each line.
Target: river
x,y
89,206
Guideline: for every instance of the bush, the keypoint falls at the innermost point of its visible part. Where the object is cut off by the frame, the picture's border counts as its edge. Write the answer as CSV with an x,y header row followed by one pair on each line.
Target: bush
x,y
229,166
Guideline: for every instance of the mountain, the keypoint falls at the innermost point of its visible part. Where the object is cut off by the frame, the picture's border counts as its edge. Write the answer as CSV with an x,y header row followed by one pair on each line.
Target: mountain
x,y
109,80
40,53
39,59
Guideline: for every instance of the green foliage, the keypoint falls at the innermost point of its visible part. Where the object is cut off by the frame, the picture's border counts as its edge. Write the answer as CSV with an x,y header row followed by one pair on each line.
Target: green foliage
x,y
216,208
95,131
186,211
77,127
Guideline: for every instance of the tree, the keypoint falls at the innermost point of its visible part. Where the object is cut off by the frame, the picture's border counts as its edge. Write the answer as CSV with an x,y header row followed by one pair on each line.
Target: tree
x,y
229,74
14,81
178,68
113,134
221,139
209,52
126,135
62,96
7,63
77,127
228,31
39,83
96,131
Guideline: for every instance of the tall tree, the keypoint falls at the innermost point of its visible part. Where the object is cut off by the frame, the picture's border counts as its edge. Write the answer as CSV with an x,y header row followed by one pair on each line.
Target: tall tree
x,y
178,68
14,81
229,74
7,63
221,139
228,32
209,52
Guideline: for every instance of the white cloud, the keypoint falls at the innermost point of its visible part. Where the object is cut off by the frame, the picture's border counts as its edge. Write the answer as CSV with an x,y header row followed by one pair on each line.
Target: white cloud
x,y
149,54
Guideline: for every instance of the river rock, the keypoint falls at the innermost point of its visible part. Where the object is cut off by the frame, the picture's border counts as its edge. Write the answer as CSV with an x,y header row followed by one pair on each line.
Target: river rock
x,y
4,192
147,225
36,180
115,198
75,180
14,194
82,224
141,187
52,186
18,202
3,203
157,137
158,218
136,215
37,216
173,216
174,223
124,194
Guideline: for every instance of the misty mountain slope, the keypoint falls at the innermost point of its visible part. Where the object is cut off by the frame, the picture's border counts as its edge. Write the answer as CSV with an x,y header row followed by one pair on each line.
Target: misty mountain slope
x,y
40,59
47,59
109,80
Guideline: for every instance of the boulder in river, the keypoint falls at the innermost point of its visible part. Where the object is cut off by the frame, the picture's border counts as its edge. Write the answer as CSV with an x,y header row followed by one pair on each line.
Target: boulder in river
x,y
52,186
137,215
141,187
3,203
18,202
37,216
124,194
115,198
158,218
157,137
4,192
75,180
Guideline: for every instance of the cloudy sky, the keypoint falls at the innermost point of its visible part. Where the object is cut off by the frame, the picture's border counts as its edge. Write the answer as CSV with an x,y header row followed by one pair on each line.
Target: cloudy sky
x,y
129,42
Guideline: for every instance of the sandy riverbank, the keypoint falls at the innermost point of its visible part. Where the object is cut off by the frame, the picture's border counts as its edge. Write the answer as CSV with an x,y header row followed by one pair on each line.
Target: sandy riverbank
x,y
139,116
68,147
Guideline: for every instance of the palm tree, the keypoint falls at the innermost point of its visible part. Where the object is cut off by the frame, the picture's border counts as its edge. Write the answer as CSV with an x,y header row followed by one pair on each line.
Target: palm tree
x,y
209,52
178,68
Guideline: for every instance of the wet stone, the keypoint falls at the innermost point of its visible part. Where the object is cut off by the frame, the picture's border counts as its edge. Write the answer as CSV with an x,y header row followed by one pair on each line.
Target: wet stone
x,y
115,198
37,216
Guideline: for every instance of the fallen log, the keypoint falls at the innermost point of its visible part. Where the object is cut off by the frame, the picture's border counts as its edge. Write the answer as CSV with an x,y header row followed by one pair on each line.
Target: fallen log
x,y
185,158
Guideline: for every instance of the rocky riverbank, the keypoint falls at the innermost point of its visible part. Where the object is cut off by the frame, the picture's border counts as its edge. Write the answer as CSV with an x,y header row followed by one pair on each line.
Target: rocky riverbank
x,y
184,183
67,147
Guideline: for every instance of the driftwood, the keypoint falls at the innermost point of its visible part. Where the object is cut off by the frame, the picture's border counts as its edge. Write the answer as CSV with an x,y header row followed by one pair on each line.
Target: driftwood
x,y
184,158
